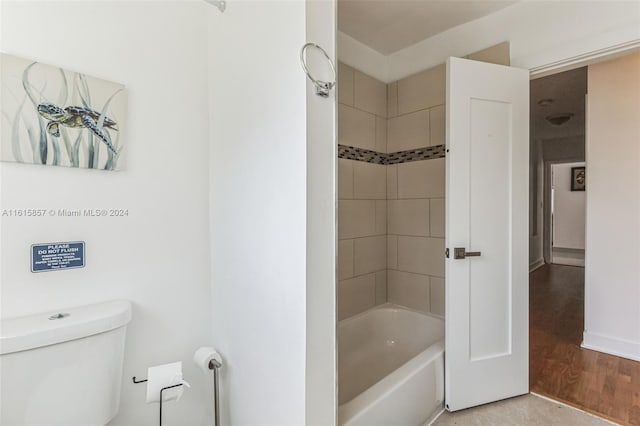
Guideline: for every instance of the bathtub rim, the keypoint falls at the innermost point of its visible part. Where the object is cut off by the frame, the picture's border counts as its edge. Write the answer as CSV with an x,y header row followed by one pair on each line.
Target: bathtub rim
x,y
389,383
388,305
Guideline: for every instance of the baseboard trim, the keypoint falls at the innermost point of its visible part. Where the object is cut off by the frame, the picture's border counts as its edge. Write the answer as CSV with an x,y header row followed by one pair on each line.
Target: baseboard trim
x,y
611,345
535,265
574,406
567,261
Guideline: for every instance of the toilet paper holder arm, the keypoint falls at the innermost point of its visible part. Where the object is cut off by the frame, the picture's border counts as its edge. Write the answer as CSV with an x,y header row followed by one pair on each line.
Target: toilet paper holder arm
x,y
161,391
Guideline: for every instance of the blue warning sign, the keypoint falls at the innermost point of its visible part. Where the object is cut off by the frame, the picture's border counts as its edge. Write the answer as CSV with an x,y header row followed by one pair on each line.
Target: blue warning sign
x,y
56,256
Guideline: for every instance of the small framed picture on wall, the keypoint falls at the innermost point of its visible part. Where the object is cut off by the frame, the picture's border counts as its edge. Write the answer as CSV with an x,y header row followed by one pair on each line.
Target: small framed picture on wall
x,y
578,179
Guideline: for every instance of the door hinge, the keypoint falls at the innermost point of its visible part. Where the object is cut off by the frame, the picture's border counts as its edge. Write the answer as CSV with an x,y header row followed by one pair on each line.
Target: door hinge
x,y
446,253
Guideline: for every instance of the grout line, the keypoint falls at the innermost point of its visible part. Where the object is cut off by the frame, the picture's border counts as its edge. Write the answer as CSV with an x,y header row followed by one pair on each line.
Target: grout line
x,y
387,116
353,92
419,198
429,217
386,95
555,401
416,236
386,268
395,260
361,110
397,182
362,275
353,257
418,110
353,181
397,99
430,297
365,236
391,199
415,273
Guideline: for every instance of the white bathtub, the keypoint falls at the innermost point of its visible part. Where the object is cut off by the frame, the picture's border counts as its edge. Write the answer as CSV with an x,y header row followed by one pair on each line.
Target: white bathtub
x,y
390,367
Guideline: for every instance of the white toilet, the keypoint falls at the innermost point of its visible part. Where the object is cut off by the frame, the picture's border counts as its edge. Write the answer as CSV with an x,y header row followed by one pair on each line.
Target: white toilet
x,y
64,367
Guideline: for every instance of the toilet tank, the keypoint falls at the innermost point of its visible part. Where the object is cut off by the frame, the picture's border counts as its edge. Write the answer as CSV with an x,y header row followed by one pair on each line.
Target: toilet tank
x,y
63,367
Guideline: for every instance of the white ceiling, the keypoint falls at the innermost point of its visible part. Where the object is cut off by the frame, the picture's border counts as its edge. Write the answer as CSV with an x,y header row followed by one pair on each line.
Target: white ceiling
x,y
568,90
390,25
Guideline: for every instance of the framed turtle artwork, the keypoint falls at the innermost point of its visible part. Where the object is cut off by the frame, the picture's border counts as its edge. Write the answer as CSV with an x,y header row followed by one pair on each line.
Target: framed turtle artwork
x,y
56,117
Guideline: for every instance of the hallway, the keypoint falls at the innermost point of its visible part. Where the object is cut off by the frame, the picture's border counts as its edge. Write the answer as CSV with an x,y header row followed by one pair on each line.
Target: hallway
x,y
603,384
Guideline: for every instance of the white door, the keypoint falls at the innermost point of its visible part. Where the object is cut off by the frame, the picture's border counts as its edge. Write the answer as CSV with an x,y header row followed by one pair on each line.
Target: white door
x,y
487,294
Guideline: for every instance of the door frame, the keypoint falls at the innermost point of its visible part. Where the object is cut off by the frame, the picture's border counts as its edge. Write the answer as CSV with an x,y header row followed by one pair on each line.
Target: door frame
x,y
547,211
585,59
556,67
567,64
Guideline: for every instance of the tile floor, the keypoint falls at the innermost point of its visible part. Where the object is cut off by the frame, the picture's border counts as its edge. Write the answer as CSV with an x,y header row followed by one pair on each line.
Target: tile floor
x,y
524,410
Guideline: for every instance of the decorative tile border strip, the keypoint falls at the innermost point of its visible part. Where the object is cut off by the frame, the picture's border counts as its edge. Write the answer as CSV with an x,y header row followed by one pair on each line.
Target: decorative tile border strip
x,y
361,154
427,153
369,156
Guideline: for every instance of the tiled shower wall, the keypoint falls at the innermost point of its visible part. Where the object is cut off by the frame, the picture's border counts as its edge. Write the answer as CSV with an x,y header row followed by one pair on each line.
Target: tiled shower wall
x,y
415,193
362,194
391,217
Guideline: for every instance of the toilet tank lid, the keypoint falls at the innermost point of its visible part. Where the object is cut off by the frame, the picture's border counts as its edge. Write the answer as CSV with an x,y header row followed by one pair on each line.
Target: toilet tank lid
x,y
62,325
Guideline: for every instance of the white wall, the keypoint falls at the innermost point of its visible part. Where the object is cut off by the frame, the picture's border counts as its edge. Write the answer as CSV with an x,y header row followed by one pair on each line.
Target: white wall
x,y
563,150
192,78
360,56
568,209
321,363
258,206
568,217
612,273
540,33
157,257
560,150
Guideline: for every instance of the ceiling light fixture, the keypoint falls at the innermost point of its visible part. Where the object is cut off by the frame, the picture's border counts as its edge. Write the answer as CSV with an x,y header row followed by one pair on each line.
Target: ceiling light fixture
x,y
559,119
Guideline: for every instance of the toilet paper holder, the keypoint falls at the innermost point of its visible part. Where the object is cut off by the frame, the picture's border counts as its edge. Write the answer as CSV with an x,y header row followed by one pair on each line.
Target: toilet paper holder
x,y
213,365
161,391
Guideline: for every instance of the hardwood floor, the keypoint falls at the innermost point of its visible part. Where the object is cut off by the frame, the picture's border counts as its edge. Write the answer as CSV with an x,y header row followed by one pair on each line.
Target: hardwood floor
x,y
603,384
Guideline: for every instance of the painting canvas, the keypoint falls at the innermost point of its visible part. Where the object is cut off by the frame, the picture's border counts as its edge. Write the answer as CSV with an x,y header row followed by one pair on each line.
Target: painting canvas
x,y
52,116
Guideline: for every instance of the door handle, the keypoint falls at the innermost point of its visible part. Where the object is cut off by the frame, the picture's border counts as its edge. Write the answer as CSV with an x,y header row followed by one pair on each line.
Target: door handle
x,y
461,253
